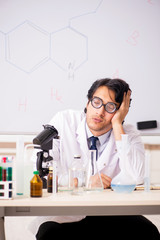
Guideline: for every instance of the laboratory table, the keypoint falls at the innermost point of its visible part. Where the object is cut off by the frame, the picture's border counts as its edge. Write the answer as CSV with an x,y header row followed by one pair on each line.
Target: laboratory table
x,y
63,203
105,202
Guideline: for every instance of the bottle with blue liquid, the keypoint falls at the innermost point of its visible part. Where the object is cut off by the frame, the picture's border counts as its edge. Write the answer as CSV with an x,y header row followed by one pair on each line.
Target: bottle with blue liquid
x,y
123,182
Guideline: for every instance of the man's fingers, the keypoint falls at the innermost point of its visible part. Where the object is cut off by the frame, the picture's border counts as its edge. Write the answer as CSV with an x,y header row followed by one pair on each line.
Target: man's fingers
x,y
106,180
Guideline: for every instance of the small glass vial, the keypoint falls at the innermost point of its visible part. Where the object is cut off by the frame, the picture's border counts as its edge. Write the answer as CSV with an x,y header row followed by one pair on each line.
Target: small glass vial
x,y
76,176
36,185
50,180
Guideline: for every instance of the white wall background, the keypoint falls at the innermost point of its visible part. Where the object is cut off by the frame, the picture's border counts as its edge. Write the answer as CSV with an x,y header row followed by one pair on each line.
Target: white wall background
x,y
51,51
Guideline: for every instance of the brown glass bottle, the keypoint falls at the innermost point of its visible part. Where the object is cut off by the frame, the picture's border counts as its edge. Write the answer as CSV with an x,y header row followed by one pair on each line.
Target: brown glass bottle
x,y
36,185
50,180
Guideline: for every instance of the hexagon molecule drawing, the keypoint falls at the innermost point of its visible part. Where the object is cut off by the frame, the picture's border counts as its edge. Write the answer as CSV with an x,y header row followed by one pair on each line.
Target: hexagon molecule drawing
x,y
69,47
27,46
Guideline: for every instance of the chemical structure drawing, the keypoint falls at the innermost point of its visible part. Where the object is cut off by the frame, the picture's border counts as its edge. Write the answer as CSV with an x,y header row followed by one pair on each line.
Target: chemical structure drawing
x,y
69,48
27,46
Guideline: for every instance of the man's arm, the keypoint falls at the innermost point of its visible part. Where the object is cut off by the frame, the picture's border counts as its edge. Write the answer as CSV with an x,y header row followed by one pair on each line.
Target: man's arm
x,y
120,115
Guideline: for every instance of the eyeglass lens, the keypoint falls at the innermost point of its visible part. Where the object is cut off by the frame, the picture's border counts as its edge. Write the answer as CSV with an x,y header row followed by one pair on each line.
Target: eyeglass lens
x,y
97,103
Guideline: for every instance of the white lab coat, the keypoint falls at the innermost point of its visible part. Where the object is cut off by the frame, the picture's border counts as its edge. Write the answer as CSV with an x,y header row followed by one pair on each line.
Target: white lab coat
x,y
71,126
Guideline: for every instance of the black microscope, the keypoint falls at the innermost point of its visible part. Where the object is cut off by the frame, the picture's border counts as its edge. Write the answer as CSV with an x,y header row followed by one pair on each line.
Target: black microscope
x,y
45,142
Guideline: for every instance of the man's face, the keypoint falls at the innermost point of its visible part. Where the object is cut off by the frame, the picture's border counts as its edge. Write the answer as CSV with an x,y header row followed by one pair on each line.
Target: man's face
x,y
99,120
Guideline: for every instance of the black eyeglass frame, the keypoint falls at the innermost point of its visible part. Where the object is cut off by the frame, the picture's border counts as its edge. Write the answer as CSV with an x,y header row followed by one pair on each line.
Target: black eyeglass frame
x,y
105,105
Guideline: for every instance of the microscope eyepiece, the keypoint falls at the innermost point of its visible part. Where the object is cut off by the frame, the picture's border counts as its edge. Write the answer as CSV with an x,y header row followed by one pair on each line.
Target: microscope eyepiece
x,y
46,136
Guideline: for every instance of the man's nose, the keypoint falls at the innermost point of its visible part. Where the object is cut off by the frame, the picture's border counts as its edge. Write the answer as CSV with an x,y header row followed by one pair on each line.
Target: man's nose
x,y
101,111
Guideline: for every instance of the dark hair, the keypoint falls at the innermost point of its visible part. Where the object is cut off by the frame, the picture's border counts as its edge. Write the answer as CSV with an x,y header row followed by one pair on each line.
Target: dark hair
x,y
117,85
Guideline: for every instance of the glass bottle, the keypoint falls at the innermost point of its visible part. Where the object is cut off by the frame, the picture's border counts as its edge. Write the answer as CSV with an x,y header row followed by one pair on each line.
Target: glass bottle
x,y
92,172
50,180
36,185
77,176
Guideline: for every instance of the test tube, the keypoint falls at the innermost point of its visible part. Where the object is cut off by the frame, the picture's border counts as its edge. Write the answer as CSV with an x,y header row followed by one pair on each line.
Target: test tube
x,y
1,173
4,169
54,179
9,178
147,172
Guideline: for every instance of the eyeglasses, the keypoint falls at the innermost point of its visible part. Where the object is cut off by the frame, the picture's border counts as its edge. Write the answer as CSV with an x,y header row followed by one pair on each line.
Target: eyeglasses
x,y
97,102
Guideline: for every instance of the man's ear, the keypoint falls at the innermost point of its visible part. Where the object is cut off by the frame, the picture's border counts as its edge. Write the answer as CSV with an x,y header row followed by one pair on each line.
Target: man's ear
x,y
85,110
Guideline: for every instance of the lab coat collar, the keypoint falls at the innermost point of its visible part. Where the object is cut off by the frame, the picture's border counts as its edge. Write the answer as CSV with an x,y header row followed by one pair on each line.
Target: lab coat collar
x,y
102,139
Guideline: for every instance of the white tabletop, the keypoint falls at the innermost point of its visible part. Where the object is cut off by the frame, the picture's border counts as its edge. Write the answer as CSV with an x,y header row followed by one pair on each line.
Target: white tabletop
x,y
106,202
102,198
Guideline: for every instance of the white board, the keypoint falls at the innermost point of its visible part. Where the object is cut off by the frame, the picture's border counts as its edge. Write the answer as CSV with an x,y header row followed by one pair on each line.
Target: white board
x,y
52,51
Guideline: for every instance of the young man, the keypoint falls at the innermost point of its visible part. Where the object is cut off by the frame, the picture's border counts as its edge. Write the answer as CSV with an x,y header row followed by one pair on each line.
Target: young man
x,y
103,118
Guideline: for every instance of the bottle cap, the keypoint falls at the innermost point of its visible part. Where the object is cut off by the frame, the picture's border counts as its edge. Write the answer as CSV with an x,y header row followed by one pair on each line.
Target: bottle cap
x,y
36,172
50,168
4,160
